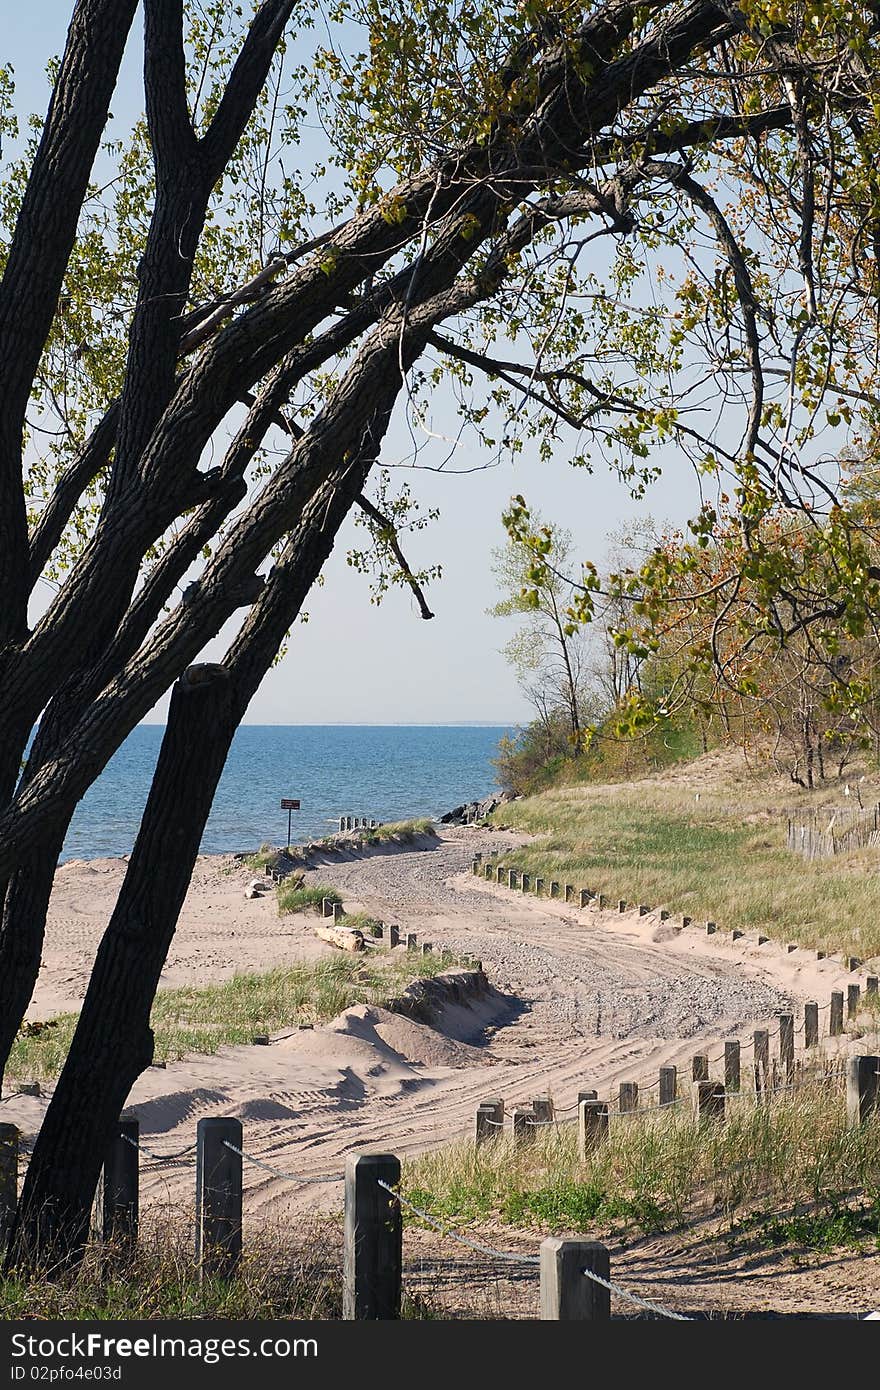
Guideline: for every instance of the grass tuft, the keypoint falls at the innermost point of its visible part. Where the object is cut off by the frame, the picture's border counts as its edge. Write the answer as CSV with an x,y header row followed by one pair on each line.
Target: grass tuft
x,y
293,898
266,857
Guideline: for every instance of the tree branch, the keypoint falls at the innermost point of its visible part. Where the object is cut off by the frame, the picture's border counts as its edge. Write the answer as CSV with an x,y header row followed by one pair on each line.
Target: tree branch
x,y
245,83
37,259
388,534
171,132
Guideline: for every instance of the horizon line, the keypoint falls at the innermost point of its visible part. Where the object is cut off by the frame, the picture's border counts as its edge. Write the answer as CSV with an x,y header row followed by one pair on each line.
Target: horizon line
x,y
352,724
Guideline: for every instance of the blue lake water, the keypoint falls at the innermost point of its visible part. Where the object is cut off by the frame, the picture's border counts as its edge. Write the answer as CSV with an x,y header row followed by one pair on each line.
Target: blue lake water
x,y
390,773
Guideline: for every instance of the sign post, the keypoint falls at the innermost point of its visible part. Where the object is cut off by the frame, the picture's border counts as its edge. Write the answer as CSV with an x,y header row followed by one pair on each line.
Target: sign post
x,y
289,805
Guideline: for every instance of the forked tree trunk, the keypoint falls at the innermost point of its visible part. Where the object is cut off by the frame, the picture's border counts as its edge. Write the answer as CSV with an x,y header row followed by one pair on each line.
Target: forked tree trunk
x,y
113,1042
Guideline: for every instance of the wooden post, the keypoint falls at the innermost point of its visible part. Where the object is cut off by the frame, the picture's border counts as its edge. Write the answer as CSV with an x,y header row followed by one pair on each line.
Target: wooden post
x,y
853,994
511,878
621,904
587,1095
427,947
664,915
119,1197
569,892
628,1097
592,1125
525,883
585,897
489,1121
523,1130
601,901
786,1046
393,935
700,1068
668,1085
711,928
218,1196
8,1181
761,1040
539,887
811,1025
476,866
835,1014
862,1088
567,1295
554,888
871,985
338,912
488,870
373,1259
500,871
410,941
542,1111
732,1078
326,907
709,1101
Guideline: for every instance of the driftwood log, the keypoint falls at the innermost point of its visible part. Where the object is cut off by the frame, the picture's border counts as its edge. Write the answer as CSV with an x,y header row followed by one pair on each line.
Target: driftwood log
x,y
344,937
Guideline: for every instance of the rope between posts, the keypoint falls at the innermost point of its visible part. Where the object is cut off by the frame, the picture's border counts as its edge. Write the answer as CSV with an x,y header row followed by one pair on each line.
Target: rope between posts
x,y
634,1298
157,1158
462,1240
277,1172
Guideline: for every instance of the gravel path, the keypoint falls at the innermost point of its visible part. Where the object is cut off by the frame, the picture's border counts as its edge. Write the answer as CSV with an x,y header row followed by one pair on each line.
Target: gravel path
x,y
579,973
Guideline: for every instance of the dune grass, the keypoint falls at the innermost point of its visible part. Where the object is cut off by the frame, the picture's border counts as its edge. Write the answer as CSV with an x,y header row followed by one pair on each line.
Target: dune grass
x,y
201,1020
266,857
793,1162
293,898
711,857
404,830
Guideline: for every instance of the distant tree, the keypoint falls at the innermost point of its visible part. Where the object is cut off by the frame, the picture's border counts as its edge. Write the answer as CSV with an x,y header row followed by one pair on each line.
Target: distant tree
x,y
547,652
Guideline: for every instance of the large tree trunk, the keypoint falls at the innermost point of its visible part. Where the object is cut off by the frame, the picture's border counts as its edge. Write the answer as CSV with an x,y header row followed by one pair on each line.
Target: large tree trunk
x,y
113,1042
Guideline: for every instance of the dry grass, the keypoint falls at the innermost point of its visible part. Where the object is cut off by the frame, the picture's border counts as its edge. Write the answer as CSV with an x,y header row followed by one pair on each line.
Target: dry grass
x,y
708,841
792,1159
278,1278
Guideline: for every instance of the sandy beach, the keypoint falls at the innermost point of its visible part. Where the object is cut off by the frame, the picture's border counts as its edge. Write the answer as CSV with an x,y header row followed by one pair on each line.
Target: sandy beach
x,y
579,998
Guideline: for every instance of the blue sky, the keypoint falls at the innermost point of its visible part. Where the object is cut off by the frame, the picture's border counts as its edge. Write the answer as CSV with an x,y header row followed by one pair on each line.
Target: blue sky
x,y
356,662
